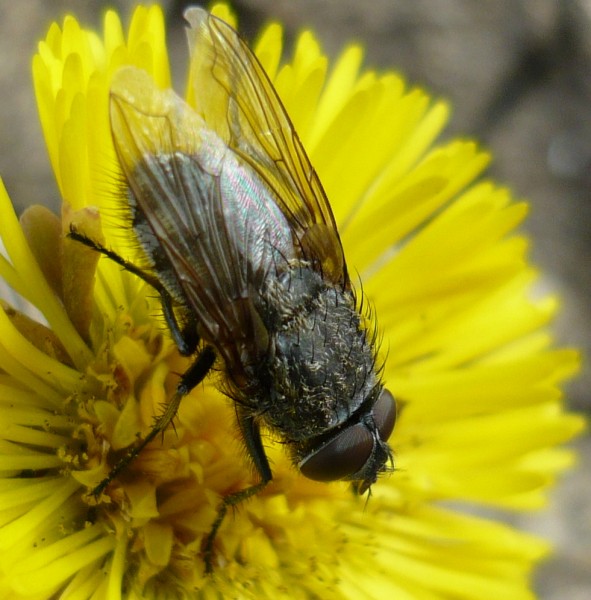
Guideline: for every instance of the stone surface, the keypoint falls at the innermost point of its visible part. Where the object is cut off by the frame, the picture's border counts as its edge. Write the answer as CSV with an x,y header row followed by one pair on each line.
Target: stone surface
x,y
518,74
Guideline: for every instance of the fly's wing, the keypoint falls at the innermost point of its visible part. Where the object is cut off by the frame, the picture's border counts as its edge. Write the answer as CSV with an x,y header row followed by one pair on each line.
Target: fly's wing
x,y
234,96
197,213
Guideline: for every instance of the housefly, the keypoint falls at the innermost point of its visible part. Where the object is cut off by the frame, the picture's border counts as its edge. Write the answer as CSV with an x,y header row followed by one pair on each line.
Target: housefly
x,y
242,246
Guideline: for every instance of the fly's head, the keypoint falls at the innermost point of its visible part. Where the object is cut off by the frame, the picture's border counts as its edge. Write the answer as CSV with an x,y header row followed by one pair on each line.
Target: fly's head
x,y
357,450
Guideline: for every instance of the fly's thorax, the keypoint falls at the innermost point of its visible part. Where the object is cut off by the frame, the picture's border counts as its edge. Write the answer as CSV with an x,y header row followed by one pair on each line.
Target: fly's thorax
x,y
321,363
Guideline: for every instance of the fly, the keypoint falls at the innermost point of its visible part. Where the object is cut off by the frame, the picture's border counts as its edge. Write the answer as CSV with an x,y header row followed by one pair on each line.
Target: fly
x,y
242,246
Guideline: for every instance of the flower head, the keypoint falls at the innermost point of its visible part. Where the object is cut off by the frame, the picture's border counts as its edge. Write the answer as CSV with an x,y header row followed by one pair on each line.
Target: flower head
x,y
469,359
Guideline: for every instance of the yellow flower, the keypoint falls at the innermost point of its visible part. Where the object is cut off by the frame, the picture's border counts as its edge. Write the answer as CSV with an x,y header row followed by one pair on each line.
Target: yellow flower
x,y
469,359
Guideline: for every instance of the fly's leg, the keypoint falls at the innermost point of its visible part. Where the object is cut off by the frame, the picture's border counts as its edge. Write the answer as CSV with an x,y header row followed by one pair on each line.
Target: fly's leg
x,y
254,445
185,338
194,375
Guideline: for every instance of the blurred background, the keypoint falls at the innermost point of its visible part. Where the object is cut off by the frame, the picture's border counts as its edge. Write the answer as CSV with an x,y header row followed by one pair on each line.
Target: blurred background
x,y
518,76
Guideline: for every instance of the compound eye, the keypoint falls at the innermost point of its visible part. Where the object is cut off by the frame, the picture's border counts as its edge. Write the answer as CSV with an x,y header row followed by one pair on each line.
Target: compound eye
x,y
384,414
344,455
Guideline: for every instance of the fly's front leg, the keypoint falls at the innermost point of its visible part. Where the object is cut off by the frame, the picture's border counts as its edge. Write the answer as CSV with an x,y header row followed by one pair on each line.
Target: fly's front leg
x,y
254,445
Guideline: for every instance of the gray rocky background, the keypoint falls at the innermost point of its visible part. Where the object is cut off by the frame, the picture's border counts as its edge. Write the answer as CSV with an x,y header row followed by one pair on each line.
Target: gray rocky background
x,y
518,74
